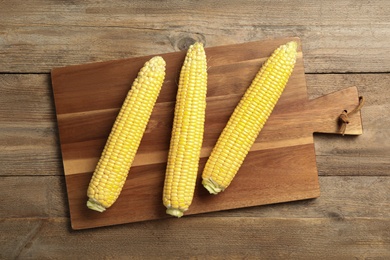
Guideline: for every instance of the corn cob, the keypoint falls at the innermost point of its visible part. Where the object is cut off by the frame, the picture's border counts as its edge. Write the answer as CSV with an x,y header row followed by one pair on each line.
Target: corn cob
x,y
187,132
248,119
126,134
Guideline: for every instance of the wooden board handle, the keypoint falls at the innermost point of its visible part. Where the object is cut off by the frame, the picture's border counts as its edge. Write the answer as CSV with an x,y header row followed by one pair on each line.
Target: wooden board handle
x,y
324,112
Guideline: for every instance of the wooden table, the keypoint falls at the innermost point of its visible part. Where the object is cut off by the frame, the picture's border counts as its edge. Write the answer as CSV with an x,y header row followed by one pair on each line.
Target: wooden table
x,y
345,43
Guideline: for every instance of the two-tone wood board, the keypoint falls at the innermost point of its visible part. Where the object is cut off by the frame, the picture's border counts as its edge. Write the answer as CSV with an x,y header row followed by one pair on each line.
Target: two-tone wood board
x,y
281,166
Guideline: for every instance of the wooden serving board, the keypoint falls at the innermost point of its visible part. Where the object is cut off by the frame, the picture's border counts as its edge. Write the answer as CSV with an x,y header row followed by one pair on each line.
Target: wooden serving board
x,y
281,166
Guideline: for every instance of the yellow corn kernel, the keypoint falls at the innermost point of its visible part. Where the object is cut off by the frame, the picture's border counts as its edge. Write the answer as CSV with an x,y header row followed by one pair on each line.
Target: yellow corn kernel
x,y
126,134
248,119
187,133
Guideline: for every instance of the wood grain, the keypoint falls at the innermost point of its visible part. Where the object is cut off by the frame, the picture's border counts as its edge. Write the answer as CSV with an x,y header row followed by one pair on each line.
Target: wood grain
x,y
368,153
346,40
42,34
200,237
343,196
86,110
28,129
36,197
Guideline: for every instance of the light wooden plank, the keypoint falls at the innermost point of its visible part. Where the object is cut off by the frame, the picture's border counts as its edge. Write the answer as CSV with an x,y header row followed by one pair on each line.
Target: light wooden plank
x,y
201,238
337,36
341,197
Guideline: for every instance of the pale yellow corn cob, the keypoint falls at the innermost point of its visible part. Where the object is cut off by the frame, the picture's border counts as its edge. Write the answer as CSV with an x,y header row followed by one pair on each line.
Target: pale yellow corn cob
x,y
187,133
248,119
126,134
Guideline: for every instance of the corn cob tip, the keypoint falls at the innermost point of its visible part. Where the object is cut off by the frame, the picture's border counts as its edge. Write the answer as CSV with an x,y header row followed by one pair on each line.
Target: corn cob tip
x,y
175,212
197,50
292,44
198,44
94,205
212,186
158,61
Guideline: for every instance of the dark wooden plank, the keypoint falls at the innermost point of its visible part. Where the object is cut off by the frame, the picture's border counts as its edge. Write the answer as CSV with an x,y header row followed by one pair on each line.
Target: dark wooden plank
x,y
201,237
338,36
28,131
341,196
33,197
26,99
16,234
